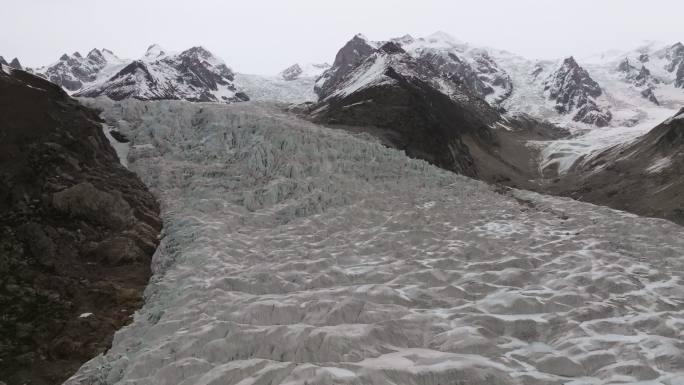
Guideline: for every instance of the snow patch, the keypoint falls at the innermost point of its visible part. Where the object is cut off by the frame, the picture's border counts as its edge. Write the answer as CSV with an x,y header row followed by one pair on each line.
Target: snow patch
x,y
659,165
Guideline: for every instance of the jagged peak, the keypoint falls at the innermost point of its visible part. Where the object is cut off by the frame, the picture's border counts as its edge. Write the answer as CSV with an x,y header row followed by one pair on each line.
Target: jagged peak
x,y
94,51
64,57
77,54
15,64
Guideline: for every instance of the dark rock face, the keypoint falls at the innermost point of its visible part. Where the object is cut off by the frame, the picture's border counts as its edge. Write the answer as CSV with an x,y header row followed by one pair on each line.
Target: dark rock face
x,y
645,177
15,64
575,91
194,75
347,59
679,81
3,61
77,232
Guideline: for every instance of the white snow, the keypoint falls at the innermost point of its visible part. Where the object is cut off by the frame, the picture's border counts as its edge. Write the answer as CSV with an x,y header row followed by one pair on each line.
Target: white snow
x,y
371,72
659,165
85,315
264,88
294,254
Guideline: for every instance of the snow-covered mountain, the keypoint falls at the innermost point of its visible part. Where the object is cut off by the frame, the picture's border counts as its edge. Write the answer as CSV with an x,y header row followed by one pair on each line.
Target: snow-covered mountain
x,y
407,102
573,90
75,72
193,75
579,93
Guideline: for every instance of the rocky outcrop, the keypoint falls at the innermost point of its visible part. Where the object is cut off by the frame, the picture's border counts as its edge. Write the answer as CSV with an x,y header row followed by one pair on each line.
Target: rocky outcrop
x,y
15,64
194,75
77,232
574,91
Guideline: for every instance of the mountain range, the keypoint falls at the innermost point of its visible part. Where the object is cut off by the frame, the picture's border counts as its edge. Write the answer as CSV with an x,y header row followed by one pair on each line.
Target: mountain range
x,y
396,216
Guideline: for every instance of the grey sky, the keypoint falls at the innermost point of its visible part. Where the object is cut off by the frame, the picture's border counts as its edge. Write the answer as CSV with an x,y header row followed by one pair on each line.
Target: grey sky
x,y
265,36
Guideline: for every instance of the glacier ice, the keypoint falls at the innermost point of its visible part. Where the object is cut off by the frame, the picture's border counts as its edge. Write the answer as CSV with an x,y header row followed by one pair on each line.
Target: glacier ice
x,y
296,254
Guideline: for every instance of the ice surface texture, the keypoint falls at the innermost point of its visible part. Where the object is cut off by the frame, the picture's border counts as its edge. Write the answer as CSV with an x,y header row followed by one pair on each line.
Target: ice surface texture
x,y
294,254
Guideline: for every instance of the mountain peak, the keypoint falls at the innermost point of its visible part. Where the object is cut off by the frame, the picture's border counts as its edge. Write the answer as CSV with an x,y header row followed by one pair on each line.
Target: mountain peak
x,y
392,48
198,51
15,64
154,51
360,36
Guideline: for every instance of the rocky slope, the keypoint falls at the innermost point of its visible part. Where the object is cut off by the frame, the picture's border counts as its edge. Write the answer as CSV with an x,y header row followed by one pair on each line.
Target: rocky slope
x,y
644,176
194,75
407,103
297,254
77,232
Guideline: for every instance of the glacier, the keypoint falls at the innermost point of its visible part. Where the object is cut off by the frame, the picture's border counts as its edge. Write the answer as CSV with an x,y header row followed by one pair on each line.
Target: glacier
x,y
297,254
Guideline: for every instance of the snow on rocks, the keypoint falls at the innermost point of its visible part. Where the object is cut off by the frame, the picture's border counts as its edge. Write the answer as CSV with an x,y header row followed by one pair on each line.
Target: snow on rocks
x,y
296,254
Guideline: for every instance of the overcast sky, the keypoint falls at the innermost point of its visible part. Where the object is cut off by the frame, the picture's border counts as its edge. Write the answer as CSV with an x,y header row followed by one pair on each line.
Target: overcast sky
x,y
265,36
